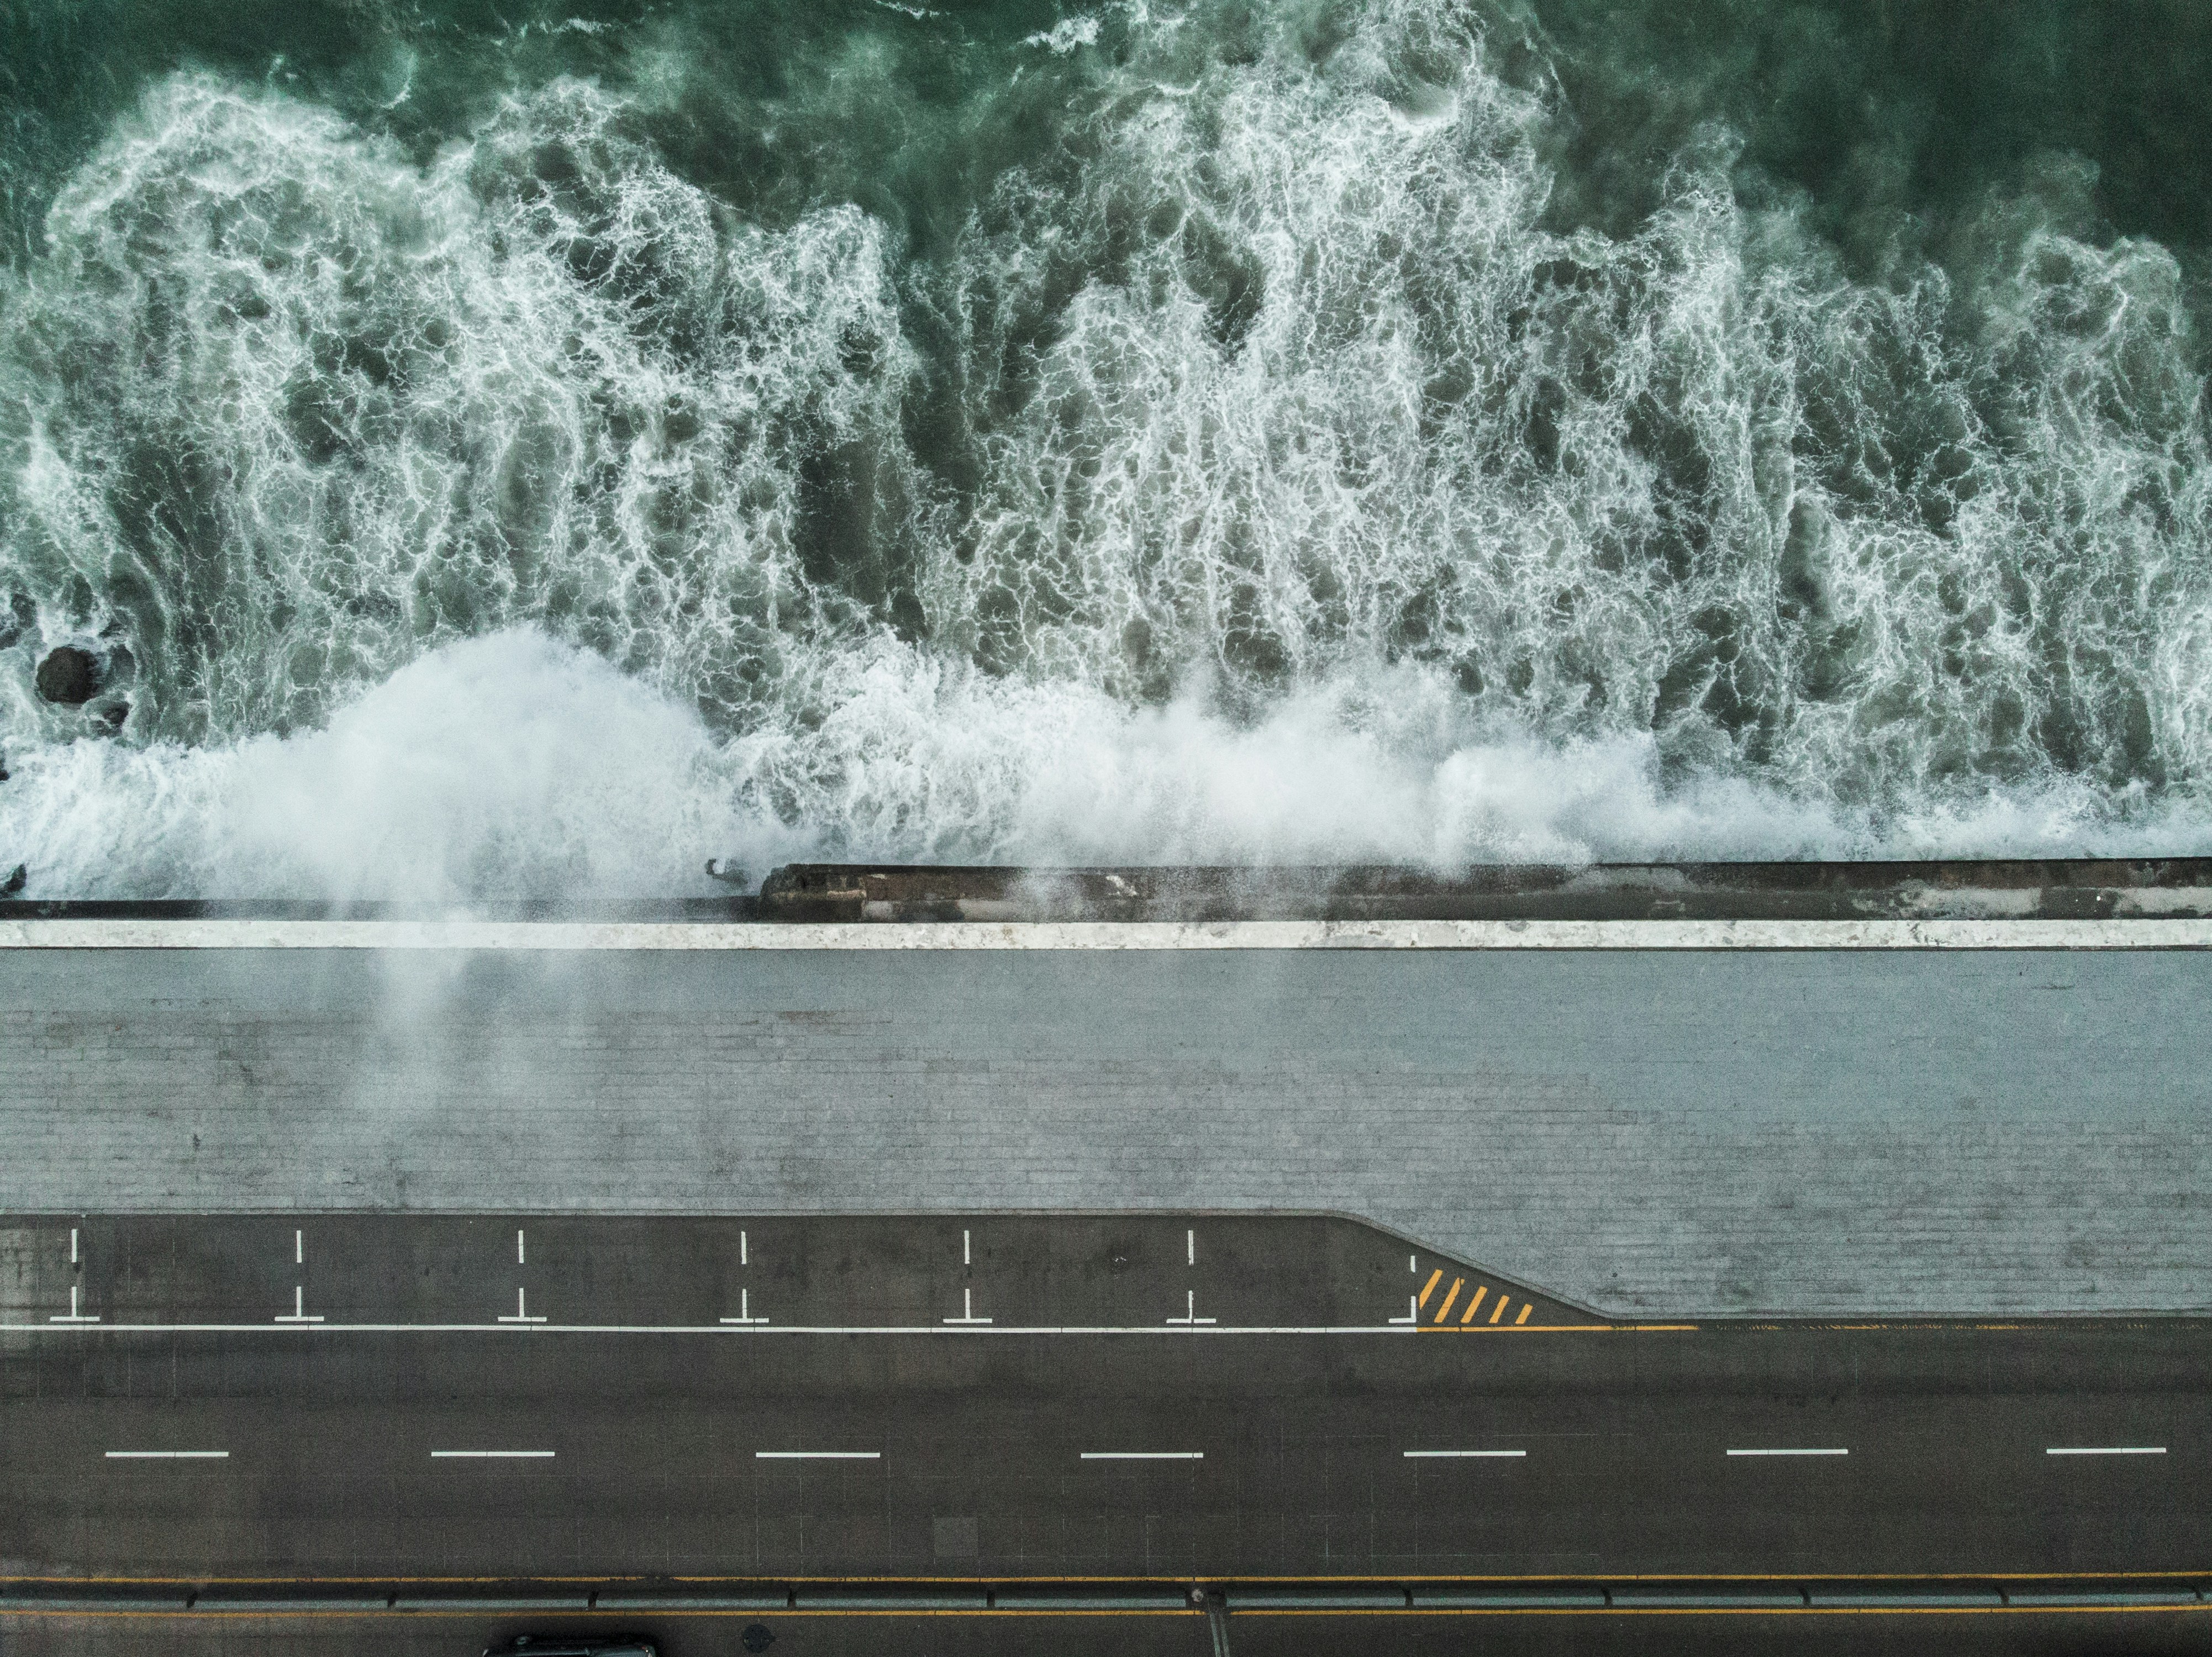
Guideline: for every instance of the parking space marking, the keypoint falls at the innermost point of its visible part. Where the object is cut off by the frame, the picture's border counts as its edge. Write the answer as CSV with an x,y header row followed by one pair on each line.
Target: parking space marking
x,y
1144,1455
299,1248
1430,1286
966,1309
491,1455
817,1455
168,1455
744,1309
519,1259
1466,1455
1789,1453
75,1314
299,1313
521,1312
2107,1450
1190,1319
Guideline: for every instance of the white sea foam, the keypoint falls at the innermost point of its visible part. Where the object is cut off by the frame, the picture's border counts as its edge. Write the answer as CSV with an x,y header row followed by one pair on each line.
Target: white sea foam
x,y
1309,497
512,766
1068,33
506,766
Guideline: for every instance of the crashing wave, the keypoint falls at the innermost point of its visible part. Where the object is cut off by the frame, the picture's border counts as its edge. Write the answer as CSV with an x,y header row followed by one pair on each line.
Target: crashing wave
x,y
1262,468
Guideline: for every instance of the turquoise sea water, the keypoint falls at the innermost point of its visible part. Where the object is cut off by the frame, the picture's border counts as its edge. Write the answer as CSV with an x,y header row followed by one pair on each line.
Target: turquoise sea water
x,y
518,448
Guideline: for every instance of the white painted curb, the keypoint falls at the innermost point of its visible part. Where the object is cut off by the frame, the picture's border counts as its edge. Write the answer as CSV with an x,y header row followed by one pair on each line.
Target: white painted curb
x,y
466,934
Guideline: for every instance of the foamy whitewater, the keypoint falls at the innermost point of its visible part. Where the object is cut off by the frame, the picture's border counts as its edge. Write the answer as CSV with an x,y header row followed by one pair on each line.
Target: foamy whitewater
x,y
529,456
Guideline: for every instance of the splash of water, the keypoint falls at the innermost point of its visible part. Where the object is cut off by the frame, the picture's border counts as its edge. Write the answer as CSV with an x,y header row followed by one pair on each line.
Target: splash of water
x,y
1262,455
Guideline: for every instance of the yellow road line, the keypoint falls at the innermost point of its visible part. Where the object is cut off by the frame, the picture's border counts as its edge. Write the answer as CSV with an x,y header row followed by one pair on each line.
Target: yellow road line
x,y
1468,1315
203,1615
1710,1611
1430,1286
1499,1310
1527,1306
1445,1310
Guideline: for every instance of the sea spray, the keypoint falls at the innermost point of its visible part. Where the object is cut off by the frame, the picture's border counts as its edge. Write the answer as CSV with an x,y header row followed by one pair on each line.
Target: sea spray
x,y
1133,432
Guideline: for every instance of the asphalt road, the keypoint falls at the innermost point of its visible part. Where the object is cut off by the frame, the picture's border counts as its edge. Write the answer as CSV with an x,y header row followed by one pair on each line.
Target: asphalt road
x,y
1178,1399
540,1455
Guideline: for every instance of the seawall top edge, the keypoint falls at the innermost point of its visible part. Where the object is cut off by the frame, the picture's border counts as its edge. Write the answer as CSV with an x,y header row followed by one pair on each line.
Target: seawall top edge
x,y
551,936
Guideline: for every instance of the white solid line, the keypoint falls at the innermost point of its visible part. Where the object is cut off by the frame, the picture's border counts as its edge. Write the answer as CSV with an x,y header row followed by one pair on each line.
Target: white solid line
x,y
168,1455
1190,1248
299,1248
519,1258
74,1316
1467,1455
967,1256
742,1251
1413,1310
1174,1328
2107,1450
491,1455
817,1455
72,1245
1789,1453
1144,1455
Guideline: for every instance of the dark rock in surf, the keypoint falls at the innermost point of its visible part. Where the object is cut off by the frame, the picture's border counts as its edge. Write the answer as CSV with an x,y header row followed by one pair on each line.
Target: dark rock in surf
x,y
69,675
18,878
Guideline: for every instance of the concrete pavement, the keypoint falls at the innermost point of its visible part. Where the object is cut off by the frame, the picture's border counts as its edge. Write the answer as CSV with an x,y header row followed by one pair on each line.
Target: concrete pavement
x,y
1683,1132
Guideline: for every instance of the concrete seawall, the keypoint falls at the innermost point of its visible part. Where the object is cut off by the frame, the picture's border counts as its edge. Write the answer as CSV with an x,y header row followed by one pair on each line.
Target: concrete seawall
x,y
1685,1130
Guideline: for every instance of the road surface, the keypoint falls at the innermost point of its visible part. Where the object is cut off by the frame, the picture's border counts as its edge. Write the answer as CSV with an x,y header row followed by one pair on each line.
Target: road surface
x,y
787,1420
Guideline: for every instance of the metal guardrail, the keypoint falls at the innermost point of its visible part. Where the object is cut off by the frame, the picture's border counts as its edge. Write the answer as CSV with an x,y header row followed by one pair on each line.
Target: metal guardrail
x,y
637,1598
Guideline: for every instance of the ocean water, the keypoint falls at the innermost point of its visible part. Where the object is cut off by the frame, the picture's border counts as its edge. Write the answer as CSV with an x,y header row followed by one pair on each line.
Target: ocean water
x,y
529,449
